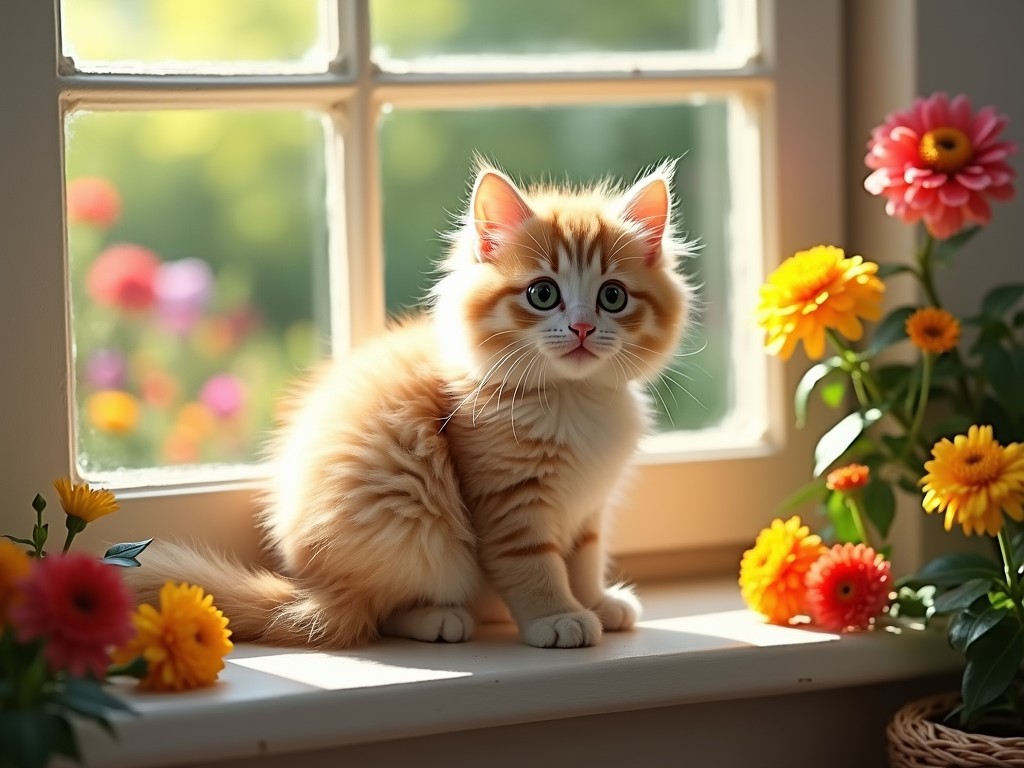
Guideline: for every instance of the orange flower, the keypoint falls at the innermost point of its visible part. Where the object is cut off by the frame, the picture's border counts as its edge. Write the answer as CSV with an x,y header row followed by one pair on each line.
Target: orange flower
x,y
847,478
934,330
847,587
772,572
813,291
14,566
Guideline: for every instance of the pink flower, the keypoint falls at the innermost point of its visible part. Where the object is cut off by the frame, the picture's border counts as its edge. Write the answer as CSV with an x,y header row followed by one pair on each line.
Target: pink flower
x,y
222,394
124,276
940,162
80,607
182,292
93,201
107,369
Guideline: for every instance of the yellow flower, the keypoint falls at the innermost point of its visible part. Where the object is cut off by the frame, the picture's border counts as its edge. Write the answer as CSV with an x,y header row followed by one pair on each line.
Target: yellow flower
x,y
113,411
974,480
83,502
184,643
14,566
815,290
933,330
772,573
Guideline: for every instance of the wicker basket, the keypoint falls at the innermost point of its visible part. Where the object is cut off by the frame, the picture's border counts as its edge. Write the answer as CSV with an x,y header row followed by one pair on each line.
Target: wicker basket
x,y
916,740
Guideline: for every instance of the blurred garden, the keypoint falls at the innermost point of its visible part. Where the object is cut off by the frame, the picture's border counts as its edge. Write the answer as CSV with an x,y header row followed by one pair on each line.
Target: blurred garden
x,y
198,238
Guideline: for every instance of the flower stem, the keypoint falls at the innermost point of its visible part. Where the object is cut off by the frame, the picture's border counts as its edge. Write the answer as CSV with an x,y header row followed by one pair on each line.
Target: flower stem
x,y
927,366
1009,568
858,518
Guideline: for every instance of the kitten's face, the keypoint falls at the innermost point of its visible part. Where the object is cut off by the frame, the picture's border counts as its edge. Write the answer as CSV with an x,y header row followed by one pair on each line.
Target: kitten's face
x,y
570,285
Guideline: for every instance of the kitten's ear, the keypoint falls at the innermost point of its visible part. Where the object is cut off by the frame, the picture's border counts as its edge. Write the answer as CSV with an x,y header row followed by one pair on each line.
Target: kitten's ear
x,y
498,209
648,203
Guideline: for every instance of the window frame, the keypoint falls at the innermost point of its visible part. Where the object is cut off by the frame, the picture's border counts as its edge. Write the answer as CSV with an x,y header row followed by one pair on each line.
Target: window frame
x,y
676,503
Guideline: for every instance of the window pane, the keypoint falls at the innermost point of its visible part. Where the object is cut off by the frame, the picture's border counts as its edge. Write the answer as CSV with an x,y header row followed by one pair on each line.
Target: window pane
x,y
196,35
425,164
197,247
403,30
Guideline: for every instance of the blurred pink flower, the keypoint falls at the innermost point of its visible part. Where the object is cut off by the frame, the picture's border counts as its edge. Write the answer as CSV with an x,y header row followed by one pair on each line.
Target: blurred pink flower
x,y
938,161
124,276
80,606
223,394
182,292
106,369
93,200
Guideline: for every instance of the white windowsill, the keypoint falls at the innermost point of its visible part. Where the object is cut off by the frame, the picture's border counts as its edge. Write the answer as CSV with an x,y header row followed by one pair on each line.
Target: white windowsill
x,y
695,644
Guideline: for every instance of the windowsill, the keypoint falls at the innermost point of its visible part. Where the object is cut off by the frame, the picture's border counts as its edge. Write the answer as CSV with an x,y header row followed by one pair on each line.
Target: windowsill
x,y
696,644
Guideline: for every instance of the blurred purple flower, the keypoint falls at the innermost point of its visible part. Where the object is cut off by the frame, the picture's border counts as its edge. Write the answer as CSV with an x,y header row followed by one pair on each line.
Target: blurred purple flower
x,y
106,369
223,394
182,292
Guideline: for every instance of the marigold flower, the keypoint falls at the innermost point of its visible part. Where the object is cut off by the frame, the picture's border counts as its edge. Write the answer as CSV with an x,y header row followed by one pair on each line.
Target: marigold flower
x,y
847,587
112,410
816,290
83,502
934,330
184,642
93,200
974,479
847,478
14,566
80,606
124,276
772,572
940,162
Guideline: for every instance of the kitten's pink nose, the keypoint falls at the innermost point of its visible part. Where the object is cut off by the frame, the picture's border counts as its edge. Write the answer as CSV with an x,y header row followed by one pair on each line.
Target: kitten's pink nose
x,y
582,329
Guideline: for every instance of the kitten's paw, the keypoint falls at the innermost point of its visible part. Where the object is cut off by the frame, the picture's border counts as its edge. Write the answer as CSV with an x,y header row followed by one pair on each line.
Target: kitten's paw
x,y
564,630
430,624
618,609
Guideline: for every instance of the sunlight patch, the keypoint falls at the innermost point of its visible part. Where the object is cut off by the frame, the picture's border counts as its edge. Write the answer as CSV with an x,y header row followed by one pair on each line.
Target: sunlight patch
x,y
335,673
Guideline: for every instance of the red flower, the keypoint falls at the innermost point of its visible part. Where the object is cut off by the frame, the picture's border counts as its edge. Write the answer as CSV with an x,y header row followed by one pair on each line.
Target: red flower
x,y
939,161
93,201
124,276
80,607
848,478
847,587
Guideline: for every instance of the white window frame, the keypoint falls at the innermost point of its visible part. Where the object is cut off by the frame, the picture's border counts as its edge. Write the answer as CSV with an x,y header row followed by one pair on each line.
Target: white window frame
x,y
712,498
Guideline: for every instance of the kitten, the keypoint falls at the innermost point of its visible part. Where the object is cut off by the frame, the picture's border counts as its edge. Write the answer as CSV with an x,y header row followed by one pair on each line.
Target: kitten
x,y
475,448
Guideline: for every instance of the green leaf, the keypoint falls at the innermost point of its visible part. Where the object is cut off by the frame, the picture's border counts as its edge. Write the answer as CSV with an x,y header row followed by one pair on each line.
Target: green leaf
x,y
29,738
992,661
812,492
945,250
122,562
889,269
955,568
834,442
16,540
840,516
833,393
87,698
967,626
893,328
39,504
879,505
961,596
806,385
1000,299
128,549
1001,373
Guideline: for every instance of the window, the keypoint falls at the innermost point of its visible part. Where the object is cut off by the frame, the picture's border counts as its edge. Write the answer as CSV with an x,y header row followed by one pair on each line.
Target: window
x,y
374,108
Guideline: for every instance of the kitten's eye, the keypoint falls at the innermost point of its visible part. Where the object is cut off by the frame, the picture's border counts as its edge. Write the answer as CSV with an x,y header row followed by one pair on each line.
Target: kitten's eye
x,y
612,297
543,294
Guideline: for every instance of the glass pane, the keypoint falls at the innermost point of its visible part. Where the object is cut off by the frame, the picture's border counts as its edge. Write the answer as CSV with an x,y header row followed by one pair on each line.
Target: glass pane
x,y
403,30
425,166
197,245
196,35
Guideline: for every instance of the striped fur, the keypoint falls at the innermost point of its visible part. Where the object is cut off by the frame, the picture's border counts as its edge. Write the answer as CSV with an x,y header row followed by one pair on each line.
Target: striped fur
x,y
463,453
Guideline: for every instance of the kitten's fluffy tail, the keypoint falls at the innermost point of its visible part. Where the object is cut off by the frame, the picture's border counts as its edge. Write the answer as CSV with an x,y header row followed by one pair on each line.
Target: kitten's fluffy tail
x,y
261,606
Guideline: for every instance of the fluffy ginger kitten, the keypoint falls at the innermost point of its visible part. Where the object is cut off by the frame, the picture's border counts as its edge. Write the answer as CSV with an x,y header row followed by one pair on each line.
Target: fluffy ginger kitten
x,y
473,449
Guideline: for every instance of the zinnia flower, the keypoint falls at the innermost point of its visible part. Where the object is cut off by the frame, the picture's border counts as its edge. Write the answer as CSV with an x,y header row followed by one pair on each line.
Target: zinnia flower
x,y
223,394
124,276
93,200
940,162
772,572
815,290
80,606
847,478
847,587
83,502
974,479
184,642
14,566
112,410
934,330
